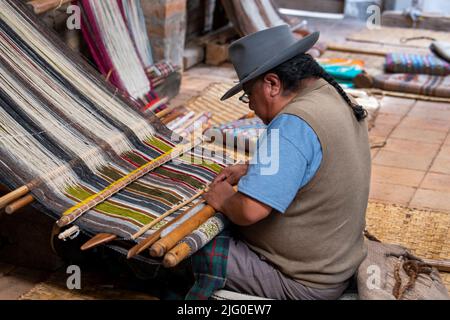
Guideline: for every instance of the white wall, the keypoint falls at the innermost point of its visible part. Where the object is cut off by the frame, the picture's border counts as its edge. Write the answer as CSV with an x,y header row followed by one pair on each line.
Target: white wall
x,y
441,6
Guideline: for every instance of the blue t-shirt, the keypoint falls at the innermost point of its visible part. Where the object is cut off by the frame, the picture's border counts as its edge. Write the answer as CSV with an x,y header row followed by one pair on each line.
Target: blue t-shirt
x,y
289,155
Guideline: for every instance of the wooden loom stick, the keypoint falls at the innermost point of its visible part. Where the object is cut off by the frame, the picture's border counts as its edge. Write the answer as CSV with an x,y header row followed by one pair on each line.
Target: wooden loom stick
x,y
103,238
18,204
172,116
77,210
164,112
160,247
98,239
41,6
13,195
144,244
176,255
340,47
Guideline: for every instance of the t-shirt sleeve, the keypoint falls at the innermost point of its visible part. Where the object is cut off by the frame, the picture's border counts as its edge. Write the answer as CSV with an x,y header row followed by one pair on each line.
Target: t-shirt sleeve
x,y
276,184
287,158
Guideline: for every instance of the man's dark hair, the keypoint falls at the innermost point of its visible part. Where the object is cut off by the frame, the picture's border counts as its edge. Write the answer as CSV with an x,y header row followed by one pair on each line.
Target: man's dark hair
x,y
304,66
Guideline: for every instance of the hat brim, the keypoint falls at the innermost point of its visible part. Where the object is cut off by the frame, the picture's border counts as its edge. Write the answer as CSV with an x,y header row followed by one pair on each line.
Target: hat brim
x,y
300,46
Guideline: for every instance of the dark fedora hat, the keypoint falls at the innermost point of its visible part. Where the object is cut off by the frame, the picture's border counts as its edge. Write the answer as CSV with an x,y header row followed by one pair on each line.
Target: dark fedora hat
x,y
259,52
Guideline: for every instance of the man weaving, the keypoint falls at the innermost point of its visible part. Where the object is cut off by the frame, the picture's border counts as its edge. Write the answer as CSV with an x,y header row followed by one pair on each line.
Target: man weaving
x,y
300,229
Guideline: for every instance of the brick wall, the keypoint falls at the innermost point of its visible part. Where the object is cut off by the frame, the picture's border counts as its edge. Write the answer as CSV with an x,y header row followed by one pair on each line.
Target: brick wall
x,y
166,25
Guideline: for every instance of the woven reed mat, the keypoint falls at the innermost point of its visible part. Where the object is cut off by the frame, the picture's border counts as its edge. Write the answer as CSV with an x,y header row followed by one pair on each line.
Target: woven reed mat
x,y
93,287
393,36
426,233
223,111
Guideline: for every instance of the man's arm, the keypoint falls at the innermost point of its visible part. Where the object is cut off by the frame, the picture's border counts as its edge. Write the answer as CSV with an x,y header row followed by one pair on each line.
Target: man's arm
x,y
239,208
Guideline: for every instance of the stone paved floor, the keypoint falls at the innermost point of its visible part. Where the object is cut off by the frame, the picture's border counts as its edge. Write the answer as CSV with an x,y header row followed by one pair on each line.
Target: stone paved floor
x,y
413,168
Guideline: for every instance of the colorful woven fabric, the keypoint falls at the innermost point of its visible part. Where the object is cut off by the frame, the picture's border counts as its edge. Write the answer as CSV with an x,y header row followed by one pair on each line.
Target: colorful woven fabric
x,y
161,69
205,232
342,69
441,49
67,134
414,83
416,63
210,267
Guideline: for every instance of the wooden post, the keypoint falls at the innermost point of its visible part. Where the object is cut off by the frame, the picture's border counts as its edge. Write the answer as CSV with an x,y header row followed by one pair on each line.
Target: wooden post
x,y
41,6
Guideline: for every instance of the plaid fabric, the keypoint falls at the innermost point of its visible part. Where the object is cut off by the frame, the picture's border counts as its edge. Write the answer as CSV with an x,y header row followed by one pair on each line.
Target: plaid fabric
x,y
416,63
210,267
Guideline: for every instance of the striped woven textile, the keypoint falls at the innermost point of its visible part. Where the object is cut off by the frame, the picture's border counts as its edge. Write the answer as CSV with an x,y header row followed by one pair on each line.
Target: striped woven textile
x,y
161,69
414,83
416,63
243,132
117,39
205,232
67,134
343,70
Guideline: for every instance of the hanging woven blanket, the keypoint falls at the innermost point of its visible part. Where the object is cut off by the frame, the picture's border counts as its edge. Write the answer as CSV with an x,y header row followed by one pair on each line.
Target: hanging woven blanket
x,y
414,83
67,134
117,39
416,63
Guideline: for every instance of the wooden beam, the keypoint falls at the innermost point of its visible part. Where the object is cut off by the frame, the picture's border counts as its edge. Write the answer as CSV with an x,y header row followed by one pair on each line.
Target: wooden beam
x,y
427,20
441,265
42,6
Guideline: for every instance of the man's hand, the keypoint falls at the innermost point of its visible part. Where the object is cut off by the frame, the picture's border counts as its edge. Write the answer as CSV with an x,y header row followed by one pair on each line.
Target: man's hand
x,y
232,174
218,194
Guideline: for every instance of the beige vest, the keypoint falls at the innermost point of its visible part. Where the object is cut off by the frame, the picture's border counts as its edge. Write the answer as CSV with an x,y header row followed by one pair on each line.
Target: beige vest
x,y
319,240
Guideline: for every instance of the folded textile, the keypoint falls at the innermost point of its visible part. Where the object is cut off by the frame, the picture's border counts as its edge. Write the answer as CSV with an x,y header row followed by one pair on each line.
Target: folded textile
x,y
342,69
416,63
414,83
160,69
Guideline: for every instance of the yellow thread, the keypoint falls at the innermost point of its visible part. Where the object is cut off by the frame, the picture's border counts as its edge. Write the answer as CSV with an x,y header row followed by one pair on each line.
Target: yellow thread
x,y
128,176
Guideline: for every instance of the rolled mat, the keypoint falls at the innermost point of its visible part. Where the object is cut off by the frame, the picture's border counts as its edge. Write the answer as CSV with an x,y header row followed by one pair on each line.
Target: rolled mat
x,y
414,83
416,63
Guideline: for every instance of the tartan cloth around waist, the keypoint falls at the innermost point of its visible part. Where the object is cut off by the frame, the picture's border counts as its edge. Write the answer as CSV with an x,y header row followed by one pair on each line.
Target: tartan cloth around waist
x,y
209,266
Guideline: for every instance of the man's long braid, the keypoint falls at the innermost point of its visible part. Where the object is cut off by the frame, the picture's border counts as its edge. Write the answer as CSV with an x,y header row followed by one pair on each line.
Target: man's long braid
x,y
359,112
304,66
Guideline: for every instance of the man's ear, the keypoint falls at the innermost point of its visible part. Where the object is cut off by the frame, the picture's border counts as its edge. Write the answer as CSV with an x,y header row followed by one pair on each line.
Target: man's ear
x,y
273,83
